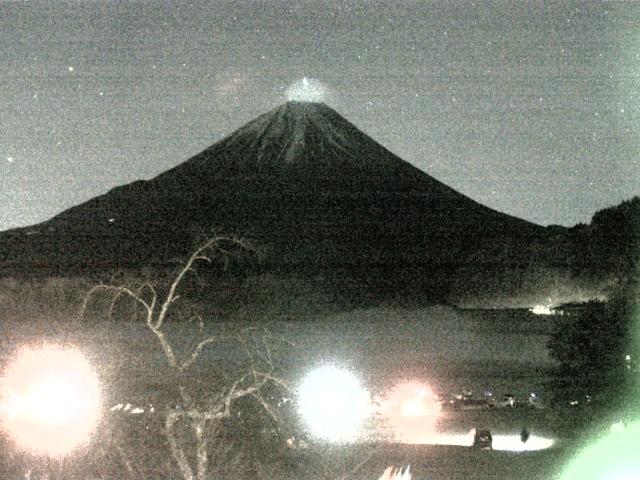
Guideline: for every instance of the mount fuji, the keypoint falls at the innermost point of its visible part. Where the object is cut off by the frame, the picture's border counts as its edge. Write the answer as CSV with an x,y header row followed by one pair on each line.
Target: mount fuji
x,y
319,195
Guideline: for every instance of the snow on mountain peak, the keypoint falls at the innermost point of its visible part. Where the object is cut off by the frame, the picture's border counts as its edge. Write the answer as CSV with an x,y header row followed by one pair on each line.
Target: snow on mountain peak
x,y
290,125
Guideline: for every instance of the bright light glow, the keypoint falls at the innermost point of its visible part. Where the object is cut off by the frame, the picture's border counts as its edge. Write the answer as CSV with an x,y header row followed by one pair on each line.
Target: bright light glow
x,y
511,443
307,90
333,404
617,427
49,400
614,457
542,310
411,410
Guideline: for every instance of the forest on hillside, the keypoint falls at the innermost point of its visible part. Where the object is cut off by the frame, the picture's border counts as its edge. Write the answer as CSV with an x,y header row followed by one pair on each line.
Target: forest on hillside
x,y
592,261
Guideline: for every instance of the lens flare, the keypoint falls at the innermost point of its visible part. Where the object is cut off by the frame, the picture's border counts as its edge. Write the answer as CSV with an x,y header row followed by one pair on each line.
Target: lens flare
x,y
411,410
615,457
333,404
50,400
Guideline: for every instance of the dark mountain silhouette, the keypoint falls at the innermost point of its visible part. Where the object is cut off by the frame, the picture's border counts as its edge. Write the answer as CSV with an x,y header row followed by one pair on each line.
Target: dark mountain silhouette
x,y
319,195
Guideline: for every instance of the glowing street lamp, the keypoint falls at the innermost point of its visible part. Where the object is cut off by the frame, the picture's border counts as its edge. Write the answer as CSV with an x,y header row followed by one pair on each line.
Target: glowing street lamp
x,y
49,400
333,404
411,409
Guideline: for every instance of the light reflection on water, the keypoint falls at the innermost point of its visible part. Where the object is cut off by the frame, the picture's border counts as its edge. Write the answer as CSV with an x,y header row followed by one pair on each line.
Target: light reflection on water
x,y
511,443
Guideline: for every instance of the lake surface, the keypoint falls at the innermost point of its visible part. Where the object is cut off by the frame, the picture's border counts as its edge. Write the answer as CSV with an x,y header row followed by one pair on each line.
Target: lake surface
x,y
502,351
450,349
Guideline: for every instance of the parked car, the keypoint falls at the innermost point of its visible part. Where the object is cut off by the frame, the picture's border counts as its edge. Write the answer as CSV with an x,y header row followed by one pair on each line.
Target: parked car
x,y
483,439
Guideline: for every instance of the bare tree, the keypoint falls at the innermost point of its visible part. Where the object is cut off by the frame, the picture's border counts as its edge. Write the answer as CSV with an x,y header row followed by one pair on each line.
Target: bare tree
x,y
199,417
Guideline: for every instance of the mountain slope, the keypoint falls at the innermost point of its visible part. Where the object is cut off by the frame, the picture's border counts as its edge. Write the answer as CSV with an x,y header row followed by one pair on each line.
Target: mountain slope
x,y
316,192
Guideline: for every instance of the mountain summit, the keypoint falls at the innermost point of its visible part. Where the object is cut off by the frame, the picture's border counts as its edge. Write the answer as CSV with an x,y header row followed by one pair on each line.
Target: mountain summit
x,y
302,131
316,192
307,133
309,143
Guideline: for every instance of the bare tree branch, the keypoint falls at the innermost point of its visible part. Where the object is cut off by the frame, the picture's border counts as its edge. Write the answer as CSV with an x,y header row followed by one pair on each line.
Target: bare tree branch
x,y
126,461
113,302
195,256
164,343
266,406
176,450
199,418
118,291
201,448
194,354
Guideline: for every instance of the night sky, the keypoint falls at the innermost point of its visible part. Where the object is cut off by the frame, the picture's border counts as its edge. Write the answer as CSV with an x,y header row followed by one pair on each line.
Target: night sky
x,y
530,109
